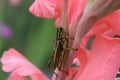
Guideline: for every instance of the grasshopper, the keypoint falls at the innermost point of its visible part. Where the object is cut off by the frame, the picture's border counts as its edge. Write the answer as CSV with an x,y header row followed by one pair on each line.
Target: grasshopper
x,y
58,57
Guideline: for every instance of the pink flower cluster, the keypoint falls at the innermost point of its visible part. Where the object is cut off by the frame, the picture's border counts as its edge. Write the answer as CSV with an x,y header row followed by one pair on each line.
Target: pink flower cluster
x,y
53,9
101,62
20,67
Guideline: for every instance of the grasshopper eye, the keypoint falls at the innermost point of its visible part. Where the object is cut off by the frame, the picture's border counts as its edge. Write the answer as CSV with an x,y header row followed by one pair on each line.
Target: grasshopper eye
x,y
61,29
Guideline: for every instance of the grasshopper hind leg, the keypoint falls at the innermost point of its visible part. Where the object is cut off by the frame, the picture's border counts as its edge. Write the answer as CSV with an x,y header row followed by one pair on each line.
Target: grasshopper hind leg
x,y
51,69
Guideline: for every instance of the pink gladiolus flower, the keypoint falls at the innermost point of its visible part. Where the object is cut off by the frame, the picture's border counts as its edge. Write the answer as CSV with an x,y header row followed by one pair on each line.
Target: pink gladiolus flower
x,y
102,61
20,67
105,47
109,26
53,8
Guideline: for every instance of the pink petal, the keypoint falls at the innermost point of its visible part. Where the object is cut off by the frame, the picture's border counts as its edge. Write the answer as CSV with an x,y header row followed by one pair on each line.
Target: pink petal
x,y
72,73
104,60
13,76
43,8
38,76
14,62
82,56
10,61
75,8
53,9
58,8
57,22
108,25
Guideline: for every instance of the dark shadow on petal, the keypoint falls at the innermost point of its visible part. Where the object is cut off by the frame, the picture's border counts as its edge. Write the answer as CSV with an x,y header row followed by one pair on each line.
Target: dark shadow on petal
x,y
89,42
118,74
116,36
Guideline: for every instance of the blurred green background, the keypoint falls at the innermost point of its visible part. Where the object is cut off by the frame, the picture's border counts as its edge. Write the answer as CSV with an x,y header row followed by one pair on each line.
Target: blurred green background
x,y
31,36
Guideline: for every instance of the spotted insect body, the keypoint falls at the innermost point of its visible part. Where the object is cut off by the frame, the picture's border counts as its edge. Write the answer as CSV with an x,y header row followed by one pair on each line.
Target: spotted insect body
x,y
58,57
